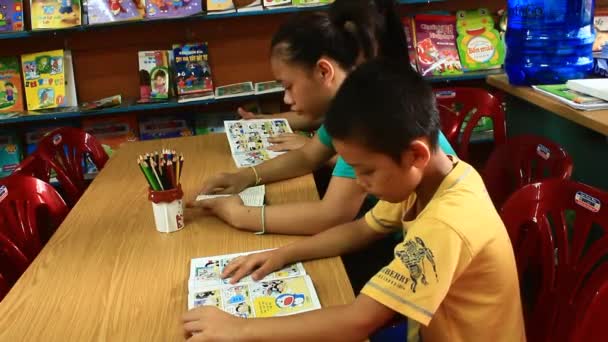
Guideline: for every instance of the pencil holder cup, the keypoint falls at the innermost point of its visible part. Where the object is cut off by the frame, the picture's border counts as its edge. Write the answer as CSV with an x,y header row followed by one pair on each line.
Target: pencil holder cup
x,y
168,209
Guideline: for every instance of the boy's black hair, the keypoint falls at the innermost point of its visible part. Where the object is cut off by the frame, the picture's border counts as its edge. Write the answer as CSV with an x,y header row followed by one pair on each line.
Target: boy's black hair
x,y
6,84
384,105
350,30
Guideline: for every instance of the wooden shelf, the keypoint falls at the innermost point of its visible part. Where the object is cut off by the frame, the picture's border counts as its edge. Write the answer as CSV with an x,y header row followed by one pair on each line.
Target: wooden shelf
x,y
596,120
129,107
55,32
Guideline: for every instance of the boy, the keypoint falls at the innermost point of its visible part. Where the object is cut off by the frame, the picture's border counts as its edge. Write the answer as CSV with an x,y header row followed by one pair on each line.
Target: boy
x,y
454,275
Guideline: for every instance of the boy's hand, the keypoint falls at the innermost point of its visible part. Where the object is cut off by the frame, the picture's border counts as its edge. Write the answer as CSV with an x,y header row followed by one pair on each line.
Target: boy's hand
x,y
261,264
245,115
228,183
287,142
208,323
228,209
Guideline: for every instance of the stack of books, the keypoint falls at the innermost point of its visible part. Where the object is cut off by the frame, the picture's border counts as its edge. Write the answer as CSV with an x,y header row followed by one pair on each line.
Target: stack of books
x,y
585,94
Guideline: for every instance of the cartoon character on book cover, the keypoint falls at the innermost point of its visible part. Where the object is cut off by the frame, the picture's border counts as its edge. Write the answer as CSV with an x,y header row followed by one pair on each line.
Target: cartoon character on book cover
x,y
44,79
154,66
11,93
11,15
157,9
48,14
192,71
479,43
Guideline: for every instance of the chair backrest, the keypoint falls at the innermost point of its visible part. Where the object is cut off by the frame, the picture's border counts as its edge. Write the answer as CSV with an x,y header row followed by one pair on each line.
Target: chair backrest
x,y
35,167
523,160
67,150
30,211
455,105
559,233
13,263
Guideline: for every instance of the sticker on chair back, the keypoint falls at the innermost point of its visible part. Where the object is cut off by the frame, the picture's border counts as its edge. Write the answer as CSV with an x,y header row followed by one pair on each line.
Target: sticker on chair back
x,y
543,151
587,201
445,94
57,139
3,192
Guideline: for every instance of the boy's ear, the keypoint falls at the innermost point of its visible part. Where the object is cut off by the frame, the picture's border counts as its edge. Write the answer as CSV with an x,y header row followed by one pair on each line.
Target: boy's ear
x,y
417,155
325,70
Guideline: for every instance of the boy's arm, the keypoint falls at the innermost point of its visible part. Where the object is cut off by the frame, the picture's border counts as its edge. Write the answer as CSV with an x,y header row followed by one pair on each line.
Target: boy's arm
x,y
351,322
340,204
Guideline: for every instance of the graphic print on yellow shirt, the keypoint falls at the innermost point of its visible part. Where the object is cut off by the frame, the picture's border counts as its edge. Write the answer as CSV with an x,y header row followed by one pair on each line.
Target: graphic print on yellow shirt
x,y
455,271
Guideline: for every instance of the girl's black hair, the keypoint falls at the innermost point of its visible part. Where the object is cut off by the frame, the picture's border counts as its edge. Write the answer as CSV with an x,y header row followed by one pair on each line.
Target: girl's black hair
x,y
351,29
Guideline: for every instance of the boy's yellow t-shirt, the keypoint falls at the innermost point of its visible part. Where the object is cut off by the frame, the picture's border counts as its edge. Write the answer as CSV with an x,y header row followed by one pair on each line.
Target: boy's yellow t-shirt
x,y
455,271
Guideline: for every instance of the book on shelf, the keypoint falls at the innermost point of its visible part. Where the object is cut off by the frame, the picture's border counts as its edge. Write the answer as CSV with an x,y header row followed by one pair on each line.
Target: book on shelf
x,y
572,98
268,87
596,87
276,4
155,80
408,28
44,79
11,16
163,9
11,89
284,292
71,98
59,14
244,6
234,90
220,7
111,11
310,3
11,151
437,53
479,43
192,73
248,139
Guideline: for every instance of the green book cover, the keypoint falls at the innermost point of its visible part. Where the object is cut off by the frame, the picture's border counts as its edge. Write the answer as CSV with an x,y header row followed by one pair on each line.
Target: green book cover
x,y
562,91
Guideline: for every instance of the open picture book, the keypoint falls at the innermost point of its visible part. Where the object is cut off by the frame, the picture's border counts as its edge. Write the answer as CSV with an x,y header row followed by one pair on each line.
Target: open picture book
x,y
284,292
248,139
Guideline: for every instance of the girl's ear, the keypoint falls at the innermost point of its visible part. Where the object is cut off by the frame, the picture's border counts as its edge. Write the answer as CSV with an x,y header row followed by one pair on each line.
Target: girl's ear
x,y
325,71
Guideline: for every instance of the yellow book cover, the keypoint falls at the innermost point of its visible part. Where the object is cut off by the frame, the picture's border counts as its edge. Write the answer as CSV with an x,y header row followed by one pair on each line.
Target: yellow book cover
x,y
44,79
55,14
219,5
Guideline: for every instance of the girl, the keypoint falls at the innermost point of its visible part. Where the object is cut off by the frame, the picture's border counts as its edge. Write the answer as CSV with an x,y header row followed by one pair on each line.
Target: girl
x,y
311,55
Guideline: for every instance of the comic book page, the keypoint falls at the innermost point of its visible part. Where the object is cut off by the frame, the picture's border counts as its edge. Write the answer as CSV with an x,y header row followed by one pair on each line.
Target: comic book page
x,y
266,298
205,272
248,139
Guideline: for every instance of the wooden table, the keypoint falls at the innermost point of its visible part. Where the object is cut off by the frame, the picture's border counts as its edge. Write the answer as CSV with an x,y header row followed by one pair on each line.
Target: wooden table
x,y
596,120
108,275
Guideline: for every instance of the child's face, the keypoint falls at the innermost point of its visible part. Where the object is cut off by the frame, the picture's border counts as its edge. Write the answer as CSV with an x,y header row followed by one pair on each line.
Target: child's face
x,y
304,93
160,81
379,174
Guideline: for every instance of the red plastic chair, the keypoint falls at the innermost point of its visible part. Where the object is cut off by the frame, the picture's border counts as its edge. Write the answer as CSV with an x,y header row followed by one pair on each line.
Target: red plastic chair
x,y
454,105
559,233
523,160
65,150
12,264
30,212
